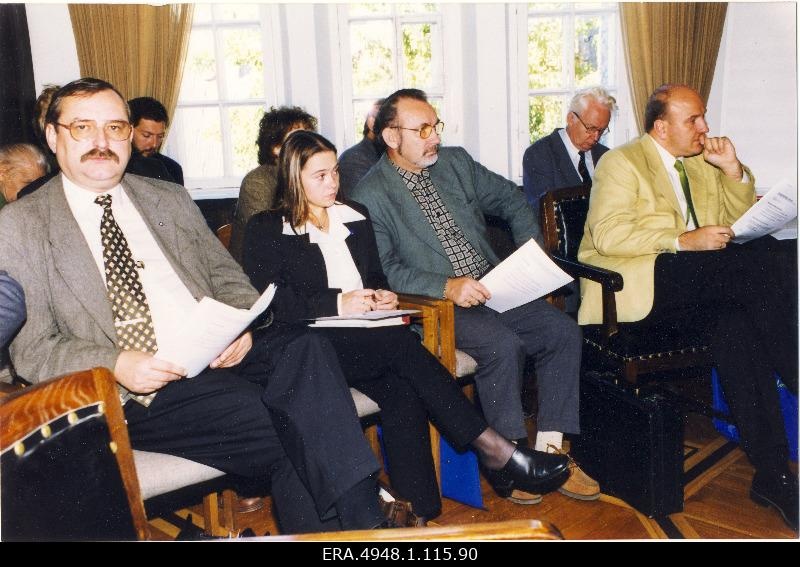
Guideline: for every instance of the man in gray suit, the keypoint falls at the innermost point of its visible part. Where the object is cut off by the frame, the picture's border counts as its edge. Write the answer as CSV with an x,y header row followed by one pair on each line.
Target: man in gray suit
x,y
94,241
568,156
12,307
427,206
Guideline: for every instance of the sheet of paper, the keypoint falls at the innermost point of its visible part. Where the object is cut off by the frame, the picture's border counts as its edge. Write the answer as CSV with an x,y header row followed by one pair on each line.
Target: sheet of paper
x,y
208,331
776,208
526,275
370,315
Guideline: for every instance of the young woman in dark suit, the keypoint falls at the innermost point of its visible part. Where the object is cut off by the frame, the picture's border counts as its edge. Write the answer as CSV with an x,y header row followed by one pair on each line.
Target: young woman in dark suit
x,y
322,255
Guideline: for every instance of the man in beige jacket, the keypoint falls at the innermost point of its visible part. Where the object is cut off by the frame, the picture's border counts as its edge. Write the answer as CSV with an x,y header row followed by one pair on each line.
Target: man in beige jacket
x,y
660,213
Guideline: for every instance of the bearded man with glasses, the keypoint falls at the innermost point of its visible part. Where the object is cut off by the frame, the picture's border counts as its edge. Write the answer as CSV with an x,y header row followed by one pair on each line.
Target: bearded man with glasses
x,y
427,204
567,157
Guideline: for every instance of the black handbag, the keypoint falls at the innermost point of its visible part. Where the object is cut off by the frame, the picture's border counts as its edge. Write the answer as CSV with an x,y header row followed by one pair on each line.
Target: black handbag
x,y
631,442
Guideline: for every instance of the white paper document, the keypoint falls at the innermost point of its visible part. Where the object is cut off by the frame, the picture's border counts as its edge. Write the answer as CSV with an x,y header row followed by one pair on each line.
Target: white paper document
x,y
774,210
379,318
208,330
526,275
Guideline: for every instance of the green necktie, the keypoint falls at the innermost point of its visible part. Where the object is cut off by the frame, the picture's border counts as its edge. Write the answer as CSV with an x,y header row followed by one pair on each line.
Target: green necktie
x,y
686,193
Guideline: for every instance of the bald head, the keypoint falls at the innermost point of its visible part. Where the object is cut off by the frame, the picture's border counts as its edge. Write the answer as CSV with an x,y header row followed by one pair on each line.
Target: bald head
x,y
675,117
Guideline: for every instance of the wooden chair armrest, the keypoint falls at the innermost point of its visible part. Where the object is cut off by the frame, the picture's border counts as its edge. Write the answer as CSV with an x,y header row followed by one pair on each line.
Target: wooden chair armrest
x,y
438,334
610,283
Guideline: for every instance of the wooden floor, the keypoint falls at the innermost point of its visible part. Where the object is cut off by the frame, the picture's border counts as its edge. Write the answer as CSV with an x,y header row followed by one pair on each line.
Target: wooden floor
x,y
717,505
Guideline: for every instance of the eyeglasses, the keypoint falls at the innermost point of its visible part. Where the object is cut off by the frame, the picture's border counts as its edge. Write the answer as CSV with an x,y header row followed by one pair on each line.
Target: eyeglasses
x,y
425,130
592,129
80,130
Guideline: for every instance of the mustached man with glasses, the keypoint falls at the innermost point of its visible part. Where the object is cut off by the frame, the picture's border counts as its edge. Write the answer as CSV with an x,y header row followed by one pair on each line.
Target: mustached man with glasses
x,y
427,205
111,263
568,156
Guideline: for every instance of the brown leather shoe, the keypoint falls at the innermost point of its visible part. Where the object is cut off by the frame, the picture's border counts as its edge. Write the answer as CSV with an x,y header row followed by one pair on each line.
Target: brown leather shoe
x,y
580,485
399,513
245,505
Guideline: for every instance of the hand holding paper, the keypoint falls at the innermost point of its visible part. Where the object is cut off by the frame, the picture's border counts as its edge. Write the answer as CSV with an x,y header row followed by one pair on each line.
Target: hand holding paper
x,y
526,275
209,330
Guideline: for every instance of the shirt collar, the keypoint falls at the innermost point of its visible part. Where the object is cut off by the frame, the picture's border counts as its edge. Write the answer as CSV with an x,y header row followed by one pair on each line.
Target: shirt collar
x,y
666,157
571,149
338,215
81,199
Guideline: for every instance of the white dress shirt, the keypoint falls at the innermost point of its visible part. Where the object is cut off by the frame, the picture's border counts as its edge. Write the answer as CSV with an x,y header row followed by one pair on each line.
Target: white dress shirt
x,y
339,264
169,299
573,154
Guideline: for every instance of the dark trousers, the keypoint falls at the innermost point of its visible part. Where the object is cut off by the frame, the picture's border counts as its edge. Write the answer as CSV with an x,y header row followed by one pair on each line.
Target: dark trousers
x,y
746,296
499,342
391,366
284,411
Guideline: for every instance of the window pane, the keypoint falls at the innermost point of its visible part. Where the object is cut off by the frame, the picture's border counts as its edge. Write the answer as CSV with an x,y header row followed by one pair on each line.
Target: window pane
x,y
200,143
546,6
244,131
236,12
243,63
593,55
371,48
545,113
427,8
360,109
202,13
200,72
545,52
417,66
369,9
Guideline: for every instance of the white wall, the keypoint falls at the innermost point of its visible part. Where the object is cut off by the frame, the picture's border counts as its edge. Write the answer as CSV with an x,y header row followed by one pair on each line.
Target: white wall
x,y
55,58
753,97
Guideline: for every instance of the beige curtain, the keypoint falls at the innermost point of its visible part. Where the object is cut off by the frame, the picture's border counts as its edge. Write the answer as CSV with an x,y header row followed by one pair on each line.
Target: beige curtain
x,y
139,49
670,43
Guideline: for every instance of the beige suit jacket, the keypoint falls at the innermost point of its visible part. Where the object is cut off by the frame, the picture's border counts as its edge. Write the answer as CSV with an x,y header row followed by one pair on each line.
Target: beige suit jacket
x,y
70,325
634,216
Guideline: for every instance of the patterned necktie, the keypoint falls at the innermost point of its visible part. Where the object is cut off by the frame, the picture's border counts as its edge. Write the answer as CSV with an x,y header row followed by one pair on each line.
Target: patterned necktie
x,y
582,170
128,302
686,193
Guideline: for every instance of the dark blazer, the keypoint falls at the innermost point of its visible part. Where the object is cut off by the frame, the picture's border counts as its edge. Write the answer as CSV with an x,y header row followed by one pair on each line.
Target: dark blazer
x,y
546,166
354,163
298,269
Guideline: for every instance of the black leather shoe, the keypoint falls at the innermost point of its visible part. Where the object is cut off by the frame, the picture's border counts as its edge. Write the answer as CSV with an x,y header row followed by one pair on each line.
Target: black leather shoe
x,y
778,490
531,471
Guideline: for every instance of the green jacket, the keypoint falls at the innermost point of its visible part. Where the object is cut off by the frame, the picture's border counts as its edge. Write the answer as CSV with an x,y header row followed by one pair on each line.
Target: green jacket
x,y
411,254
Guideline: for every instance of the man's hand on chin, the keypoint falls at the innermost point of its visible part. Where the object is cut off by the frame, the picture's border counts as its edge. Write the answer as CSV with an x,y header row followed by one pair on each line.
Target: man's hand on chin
x,y
720,153
142,373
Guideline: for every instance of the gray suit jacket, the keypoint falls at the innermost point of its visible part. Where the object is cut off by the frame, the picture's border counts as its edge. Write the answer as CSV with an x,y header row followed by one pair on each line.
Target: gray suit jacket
x,y
546,166
411,255
12,307
70,325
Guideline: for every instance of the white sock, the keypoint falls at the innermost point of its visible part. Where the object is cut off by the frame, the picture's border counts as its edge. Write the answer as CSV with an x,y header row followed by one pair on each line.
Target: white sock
x,y
545,438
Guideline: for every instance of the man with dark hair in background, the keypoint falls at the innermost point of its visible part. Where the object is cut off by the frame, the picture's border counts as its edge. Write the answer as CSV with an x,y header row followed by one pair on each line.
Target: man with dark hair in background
x,y
150,120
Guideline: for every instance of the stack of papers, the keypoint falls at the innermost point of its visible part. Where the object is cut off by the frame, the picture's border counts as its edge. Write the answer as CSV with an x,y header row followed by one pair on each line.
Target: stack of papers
x,y
772,213
209,330
369,319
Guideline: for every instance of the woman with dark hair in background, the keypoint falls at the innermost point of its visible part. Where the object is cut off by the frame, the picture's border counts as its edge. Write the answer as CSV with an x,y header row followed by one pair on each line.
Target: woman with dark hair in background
x,y
322,255
257,192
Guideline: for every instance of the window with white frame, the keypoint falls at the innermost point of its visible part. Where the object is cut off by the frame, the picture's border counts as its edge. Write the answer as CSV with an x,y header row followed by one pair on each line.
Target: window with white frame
x,y
386,47
569,46
222,96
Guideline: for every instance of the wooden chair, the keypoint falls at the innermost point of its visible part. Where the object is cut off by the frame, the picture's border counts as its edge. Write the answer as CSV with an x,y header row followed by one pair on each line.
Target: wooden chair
x,y
224,234
67,465
620,347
